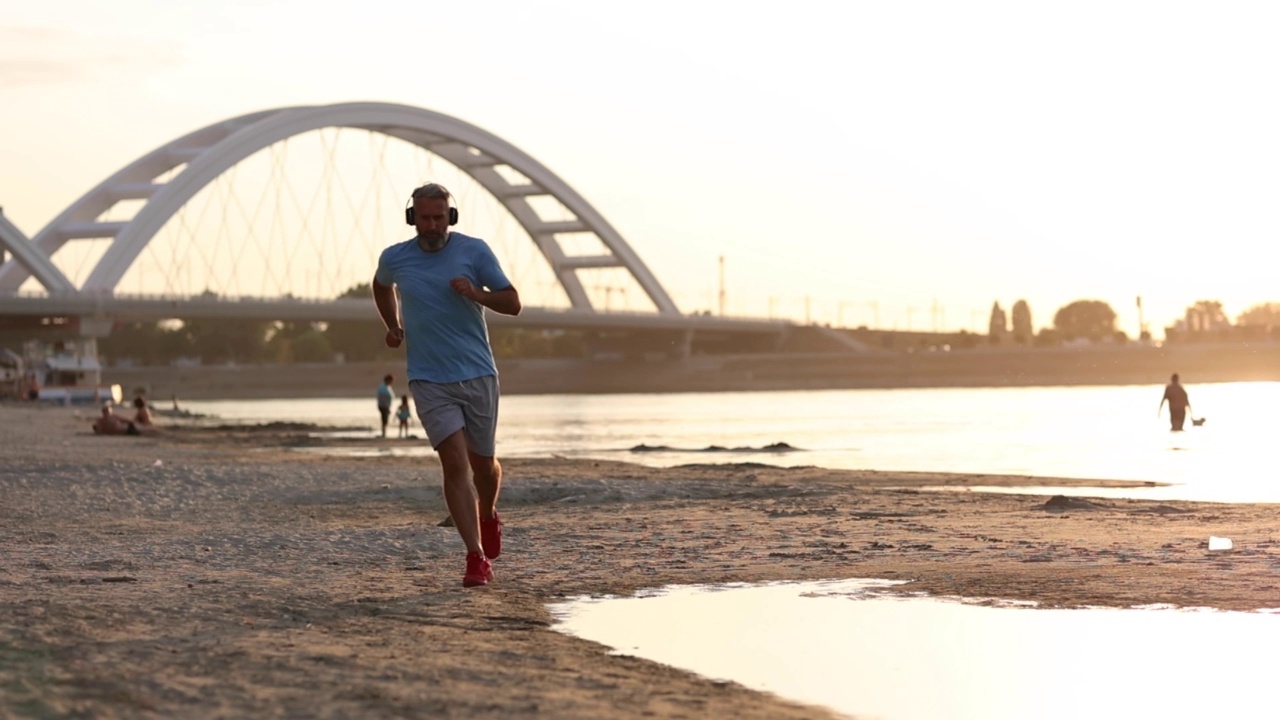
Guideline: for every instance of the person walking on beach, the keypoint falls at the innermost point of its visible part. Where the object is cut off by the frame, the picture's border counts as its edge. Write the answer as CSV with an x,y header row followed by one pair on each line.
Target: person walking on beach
x,y
446,280
1179,403
403,416
385,395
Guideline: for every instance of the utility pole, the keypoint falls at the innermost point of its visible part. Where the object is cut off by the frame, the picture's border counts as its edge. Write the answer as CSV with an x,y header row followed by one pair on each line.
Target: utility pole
x,y
840,313
1142,327
721,286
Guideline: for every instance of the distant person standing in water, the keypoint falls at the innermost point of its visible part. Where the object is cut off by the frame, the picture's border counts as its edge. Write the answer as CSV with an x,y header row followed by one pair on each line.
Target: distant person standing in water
x,y
446,281
385,397
1179,403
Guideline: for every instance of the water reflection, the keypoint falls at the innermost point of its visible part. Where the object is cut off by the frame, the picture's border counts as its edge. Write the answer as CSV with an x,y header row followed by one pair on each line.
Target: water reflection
x,y
1076,432
851,646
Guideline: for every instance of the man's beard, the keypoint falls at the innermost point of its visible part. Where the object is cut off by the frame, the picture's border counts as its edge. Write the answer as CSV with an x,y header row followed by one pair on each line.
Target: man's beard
x,y
433,241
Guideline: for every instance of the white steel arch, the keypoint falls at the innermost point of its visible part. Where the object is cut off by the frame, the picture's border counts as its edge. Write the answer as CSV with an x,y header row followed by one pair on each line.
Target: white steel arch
x,y
136,181
30,257
206,153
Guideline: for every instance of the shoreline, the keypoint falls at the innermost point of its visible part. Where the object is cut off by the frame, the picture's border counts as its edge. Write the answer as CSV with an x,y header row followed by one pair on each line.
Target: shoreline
x,y
214,573
1024,367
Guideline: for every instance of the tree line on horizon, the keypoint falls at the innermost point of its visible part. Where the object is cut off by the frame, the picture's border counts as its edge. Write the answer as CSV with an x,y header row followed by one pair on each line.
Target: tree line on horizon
x,y
1095,321
229,340
218,340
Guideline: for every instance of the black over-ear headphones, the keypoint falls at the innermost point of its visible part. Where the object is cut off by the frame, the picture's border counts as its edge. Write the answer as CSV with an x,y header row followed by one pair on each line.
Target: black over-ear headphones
x,y
411,219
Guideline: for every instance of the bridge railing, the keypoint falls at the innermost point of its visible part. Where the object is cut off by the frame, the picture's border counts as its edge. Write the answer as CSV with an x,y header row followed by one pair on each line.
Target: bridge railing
x,y
159,306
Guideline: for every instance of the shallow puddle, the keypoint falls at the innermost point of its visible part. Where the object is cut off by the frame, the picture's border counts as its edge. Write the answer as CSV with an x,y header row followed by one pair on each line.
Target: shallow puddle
x,y
856,648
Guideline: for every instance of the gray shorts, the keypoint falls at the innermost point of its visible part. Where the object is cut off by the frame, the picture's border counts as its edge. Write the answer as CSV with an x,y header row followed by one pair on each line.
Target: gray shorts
x,y
470,405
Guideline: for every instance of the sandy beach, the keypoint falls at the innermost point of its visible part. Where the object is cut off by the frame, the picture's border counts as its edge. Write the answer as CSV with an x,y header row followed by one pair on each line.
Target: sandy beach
x,y
234,573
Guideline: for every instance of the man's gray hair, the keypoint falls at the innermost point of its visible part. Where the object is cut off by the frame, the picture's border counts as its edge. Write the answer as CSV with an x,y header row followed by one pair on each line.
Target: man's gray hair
x,y
432,191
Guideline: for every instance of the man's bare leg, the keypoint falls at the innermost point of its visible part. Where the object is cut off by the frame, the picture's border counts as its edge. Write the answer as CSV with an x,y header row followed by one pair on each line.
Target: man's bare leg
x,y
459,491
487,476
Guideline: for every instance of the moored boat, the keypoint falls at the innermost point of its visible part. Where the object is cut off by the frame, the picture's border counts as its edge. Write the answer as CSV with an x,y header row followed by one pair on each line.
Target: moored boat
x,y
71,378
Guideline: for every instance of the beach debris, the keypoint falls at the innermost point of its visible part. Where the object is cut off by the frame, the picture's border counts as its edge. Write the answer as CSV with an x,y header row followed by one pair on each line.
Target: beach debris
x,y
1160,510
777,447
881,514
1219,543
1062,503
785,513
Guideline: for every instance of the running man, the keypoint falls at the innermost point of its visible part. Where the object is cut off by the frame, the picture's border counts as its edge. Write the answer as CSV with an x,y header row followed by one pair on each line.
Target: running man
x,y
445,281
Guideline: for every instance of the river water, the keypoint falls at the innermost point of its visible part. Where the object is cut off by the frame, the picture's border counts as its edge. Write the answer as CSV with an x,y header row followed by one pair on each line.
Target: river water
x,y
1071,432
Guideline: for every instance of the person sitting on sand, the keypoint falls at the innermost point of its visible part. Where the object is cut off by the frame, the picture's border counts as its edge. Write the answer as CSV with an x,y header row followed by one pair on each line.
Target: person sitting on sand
x,y
112,424
109,423
141,413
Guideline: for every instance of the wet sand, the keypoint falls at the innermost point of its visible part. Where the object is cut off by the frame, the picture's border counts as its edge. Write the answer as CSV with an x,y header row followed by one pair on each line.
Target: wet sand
x,y
223,573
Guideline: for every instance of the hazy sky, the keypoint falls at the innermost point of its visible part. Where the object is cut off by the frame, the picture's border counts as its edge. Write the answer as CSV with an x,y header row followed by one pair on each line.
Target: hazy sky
x,y
902,154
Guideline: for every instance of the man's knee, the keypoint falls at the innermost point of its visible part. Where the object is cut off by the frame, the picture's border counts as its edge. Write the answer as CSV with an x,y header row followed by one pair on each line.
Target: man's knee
x,y
484,467
452,452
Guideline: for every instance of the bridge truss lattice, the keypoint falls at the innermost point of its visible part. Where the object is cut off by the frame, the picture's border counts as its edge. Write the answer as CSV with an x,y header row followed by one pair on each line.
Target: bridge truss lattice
x,y
164,180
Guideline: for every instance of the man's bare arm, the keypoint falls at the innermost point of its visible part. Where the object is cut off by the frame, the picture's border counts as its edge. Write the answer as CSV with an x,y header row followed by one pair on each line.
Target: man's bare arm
x,y
505,301
384,296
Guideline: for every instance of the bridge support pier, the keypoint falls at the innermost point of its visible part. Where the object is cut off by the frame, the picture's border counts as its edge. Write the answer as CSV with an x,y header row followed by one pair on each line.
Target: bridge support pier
x,y
685,349
94,327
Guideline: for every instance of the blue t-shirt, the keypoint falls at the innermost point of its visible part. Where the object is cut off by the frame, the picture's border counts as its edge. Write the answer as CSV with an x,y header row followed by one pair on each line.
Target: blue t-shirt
x,y
384,396
446,339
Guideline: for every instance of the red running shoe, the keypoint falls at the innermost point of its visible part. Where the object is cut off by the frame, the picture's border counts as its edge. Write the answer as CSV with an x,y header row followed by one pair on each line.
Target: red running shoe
x,y
491,536
479,570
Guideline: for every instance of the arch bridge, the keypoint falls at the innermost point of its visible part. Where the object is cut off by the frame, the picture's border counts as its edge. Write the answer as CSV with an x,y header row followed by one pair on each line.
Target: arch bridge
x,y
166,178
